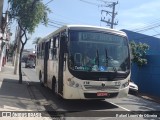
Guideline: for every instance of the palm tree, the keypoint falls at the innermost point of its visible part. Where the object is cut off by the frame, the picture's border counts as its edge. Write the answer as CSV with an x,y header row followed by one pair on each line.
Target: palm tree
x,y
36,40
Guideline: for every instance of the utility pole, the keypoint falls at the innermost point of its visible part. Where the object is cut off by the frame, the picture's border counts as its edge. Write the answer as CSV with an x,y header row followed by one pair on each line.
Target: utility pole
x,y
106,4
109,22
17,54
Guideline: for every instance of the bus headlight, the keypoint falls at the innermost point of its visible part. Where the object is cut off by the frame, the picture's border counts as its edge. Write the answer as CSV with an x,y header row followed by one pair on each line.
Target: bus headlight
x,y
72,83
77,85
125,84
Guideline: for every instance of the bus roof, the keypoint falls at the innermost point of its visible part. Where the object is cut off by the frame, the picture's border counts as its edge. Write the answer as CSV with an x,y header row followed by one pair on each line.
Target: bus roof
x,y
83,27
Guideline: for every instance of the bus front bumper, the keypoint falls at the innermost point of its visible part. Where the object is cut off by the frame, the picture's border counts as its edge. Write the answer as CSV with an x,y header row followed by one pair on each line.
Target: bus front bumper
x,y
81,94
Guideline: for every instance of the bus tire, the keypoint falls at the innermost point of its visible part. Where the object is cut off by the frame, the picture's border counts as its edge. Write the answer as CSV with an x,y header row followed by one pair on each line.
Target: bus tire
x,y
54,89
54,85
40,78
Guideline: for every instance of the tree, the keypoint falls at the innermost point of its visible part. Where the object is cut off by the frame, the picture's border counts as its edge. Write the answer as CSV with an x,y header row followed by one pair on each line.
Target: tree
x,y
28,14
36,40
139,53
11,49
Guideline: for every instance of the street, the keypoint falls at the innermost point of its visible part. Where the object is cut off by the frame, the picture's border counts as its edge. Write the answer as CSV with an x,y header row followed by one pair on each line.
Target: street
x,y
86,108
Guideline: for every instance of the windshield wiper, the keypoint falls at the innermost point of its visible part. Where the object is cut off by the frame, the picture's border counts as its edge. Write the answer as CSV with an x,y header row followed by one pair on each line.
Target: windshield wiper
x,y
106,57
97,57
114,68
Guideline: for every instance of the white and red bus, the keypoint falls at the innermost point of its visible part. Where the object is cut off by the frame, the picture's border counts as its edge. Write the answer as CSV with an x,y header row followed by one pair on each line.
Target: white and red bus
x,y
85,62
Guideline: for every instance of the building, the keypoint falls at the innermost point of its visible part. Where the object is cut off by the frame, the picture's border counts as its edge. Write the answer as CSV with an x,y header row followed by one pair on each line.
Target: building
x,y
148,76
1,11
4,35
1,33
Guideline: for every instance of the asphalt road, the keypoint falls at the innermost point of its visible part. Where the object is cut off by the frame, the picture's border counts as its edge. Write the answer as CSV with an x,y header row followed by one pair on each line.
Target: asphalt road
x,y
122,108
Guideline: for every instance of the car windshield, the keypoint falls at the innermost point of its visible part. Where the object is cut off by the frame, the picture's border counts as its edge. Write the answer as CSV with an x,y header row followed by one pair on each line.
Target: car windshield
x,y
97,51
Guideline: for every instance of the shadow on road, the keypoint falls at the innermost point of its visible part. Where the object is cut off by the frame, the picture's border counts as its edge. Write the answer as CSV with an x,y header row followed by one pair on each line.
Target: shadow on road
x,y
95,108
14,96
73,107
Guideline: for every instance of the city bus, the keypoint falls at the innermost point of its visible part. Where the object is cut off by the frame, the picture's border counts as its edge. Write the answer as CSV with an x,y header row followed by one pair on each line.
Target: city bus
x,y
84,62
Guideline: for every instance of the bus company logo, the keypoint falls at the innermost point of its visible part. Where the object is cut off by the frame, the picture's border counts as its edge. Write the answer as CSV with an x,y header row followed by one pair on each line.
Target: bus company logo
x,y
103,84
6,114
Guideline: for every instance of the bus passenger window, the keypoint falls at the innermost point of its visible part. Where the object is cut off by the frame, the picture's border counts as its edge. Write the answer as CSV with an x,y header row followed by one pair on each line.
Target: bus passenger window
x,y
57,43
54,53
55,48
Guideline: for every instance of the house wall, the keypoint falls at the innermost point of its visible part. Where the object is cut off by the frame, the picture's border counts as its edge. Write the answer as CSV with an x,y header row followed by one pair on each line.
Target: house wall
x,y
147,77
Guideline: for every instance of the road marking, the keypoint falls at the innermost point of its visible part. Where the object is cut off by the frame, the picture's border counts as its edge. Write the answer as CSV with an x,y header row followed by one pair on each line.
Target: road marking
x,y
120,106
105,118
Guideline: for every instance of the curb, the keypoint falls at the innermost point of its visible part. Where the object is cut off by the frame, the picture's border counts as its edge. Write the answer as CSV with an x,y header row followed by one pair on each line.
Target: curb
x,y
150,98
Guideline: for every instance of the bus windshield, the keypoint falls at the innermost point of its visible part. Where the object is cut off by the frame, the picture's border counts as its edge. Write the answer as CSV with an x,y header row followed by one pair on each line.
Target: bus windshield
x,y
93,51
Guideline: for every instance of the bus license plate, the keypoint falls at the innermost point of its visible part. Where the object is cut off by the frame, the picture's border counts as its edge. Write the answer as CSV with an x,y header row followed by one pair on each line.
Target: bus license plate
x,y
102,94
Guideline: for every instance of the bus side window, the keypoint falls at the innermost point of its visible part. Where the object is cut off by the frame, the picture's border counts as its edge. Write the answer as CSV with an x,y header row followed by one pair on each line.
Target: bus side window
x,y
55,47
51,49
42,52
37,51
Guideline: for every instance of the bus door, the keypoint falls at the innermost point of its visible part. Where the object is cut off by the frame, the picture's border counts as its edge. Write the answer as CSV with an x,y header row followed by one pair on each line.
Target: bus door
x,y
61,64
46,56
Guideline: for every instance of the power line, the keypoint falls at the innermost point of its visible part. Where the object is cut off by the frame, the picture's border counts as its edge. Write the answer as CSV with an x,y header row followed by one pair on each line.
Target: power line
x,y
91,3
146,26
57,22
149,28
147,37
53,25
155,30
68,20
104,1
48,2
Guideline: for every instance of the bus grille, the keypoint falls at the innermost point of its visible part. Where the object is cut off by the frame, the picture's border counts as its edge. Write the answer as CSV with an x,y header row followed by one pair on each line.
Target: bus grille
x,y
99,87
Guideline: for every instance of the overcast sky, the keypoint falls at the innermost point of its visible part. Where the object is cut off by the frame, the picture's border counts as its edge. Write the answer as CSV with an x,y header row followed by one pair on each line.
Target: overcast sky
x,y
132,15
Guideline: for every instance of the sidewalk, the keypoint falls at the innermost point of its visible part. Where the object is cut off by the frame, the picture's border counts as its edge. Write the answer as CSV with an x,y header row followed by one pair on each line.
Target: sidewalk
x,y
14,96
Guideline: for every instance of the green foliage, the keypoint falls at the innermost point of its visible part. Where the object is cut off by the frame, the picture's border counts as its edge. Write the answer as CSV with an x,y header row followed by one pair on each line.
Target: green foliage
x,y
29,13
11,49
2,44
36,40
139,52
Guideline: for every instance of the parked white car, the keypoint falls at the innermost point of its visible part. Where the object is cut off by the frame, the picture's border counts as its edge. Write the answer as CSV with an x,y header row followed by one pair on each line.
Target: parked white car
x,y
133,88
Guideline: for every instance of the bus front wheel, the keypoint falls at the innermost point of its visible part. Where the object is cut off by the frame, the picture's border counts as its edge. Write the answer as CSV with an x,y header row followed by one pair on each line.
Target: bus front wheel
x,y
40,78
54,85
